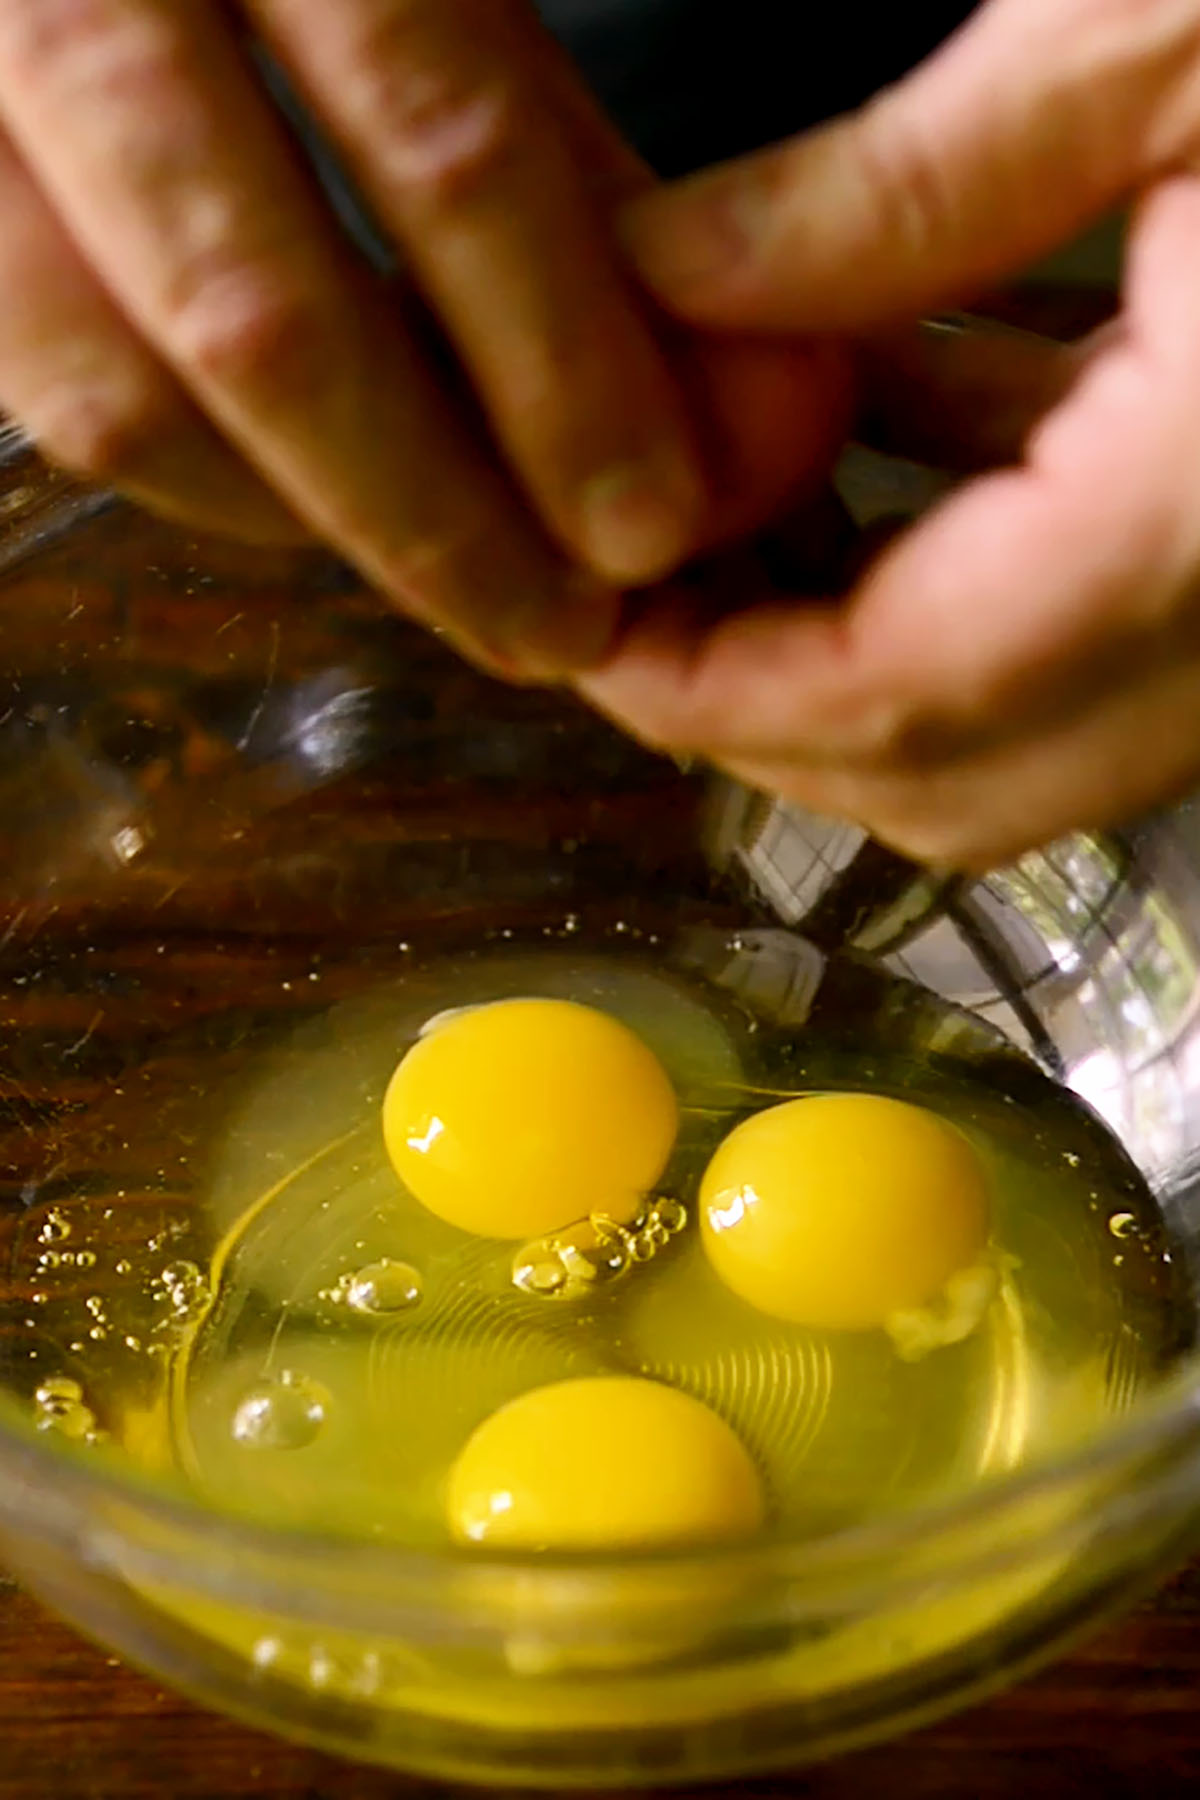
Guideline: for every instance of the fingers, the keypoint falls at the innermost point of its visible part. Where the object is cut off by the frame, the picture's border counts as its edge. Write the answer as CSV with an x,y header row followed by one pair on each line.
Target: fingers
x,y
1011,603
977,814
146,132
947,640
94,398
1024,127
443,112
770,418
963,395
1016,607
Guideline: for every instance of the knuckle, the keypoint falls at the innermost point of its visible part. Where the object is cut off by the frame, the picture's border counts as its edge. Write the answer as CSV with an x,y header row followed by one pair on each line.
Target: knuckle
x,y
438,128
251,331
86,43
903,180
35,33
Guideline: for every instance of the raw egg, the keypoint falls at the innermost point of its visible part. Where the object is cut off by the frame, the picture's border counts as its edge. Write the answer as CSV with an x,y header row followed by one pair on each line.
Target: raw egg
x,y
522,1116
842,1211
607,1462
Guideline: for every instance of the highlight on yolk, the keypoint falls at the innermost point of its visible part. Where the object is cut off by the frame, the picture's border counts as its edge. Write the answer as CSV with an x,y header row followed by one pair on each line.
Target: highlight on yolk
x,y
522,1116
606,1462
844,1212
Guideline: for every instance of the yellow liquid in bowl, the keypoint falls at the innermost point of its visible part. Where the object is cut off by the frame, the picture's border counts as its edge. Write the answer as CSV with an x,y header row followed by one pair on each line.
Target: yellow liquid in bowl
x,y
346,1356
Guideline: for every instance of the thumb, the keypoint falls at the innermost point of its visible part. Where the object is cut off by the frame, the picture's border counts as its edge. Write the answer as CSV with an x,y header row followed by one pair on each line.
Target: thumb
x,y
1025,126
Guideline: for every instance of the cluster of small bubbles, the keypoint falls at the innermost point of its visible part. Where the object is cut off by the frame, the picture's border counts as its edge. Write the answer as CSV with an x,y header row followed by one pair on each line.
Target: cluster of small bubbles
x,y
280,1412
595,1252
168,1233
59,1406
652,1237
1071,1158
54,1227
50,1260
1123,1224
670,1213
184,1287
572,1263
538,1269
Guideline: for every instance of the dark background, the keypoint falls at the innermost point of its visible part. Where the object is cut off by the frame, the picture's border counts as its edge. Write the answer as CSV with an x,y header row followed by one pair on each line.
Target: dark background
x,y
695,81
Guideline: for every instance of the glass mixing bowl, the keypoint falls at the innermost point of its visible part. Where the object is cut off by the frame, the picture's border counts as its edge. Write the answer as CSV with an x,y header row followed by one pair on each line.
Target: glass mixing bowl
x,y
232,789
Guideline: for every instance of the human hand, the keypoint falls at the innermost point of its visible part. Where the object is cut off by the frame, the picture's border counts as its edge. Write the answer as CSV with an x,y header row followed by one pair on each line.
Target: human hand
x,y
179,304
1026,658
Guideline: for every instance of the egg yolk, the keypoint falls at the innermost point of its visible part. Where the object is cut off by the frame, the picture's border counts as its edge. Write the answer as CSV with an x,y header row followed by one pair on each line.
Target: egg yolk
x,y
839,1211
519,1117
607,1462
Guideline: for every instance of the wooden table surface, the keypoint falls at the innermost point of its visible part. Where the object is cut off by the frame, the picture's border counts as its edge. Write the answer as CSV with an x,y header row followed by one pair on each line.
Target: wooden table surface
x,y
1119,1718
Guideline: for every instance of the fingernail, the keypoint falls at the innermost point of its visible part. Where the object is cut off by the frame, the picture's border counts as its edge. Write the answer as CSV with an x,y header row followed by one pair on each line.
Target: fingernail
x,y
638,520
700,236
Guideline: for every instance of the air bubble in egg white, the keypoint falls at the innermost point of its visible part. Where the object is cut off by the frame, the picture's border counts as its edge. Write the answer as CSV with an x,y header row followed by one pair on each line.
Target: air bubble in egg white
x,y
185,1288
384,1287
59,1406
281,1412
